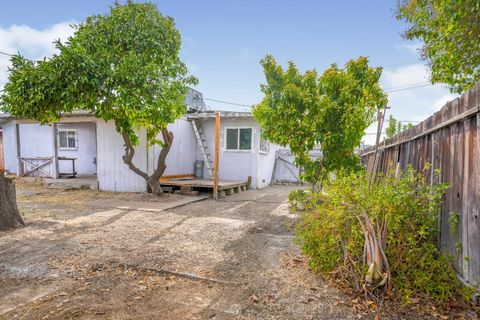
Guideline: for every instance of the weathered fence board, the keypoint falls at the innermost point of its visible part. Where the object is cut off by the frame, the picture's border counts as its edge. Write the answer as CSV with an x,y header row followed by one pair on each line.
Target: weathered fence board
x,y
449,140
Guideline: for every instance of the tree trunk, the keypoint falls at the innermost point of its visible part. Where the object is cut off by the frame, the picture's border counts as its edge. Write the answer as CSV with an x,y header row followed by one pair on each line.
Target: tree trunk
x,y
153,180
9,215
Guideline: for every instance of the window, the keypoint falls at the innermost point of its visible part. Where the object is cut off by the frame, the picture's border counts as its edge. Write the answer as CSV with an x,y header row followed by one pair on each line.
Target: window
x,y
67,139
239,139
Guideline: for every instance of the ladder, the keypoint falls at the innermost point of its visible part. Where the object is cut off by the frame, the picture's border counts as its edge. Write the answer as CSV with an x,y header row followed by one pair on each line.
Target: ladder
x,y
202,143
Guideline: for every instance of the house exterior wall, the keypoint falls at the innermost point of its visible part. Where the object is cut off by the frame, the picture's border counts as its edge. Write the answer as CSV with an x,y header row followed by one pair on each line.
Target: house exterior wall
x,y
112,173
266,162
86,152
36,141
285,170
233,165
181,158
10,147
2,162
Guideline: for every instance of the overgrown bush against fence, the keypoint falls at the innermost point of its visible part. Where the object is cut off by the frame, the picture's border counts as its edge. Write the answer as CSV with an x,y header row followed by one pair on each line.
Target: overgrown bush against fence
x,y
448,140
404,216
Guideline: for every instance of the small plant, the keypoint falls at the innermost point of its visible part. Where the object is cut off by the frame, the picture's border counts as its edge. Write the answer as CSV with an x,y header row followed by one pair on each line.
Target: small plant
x,y
453,221
297,199
380,238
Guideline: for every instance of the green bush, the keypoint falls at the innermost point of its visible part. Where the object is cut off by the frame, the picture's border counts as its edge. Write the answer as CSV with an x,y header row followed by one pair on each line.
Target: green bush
x,y
332,235
297,199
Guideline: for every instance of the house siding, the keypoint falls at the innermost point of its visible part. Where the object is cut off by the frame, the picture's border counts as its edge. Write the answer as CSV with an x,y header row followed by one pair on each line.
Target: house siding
x,y
36,141
266,162
181,158
86,152
10,147
233,165
2,162
113,174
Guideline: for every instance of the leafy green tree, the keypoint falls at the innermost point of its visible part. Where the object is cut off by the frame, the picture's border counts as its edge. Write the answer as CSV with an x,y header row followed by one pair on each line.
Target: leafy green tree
x,y
395,127
332,111
450,31
123,66
407,126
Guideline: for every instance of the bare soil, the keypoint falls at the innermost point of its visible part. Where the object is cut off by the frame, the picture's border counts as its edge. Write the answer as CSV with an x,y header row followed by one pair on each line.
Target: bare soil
x,y
230,259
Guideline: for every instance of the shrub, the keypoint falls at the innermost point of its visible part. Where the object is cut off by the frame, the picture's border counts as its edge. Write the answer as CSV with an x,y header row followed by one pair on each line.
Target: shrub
x,y
402,210
297,199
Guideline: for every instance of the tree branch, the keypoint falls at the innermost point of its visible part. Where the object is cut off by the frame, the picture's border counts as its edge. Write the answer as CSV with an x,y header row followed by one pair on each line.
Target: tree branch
x,y
168,141
128,157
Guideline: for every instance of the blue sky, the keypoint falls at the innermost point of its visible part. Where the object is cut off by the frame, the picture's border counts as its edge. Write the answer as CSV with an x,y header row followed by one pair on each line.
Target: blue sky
x,y
223,42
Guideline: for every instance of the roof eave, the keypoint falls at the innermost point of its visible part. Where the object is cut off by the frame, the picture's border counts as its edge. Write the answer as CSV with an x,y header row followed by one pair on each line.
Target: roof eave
x,y
223,114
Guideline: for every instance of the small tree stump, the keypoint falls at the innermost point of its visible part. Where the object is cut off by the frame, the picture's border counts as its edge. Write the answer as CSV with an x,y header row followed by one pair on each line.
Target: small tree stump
x,y
9,215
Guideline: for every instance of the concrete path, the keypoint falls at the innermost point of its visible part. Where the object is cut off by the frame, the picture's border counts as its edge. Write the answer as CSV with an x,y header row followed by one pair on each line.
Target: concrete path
x,y
157,206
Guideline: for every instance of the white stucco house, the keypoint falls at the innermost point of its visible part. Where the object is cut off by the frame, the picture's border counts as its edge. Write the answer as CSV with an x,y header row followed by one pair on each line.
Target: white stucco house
x,y
81,145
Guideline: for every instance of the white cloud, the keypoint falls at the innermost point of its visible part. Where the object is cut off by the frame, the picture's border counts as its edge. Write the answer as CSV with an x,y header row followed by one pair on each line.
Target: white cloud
x,y
411,47
30,42
405,76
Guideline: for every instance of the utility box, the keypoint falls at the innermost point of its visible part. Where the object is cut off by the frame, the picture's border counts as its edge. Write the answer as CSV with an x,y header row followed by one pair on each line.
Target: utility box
x,y
199,169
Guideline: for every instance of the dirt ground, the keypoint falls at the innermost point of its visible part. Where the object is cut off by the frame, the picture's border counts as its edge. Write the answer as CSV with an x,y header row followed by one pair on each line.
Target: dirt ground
x,y
96,255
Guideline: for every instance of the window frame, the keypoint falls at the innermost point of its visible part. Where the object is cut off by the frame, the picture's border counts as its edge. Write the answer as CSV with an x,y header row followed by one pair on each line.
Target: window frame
x,y
75,132
252,147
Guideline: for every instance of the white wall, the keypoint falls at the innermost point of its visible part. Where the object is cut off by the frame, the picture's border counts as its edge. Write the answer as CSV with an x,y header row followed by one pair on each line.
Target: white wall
x,y
286,171
86,151
266,161
182,155
113,174
10,147
36,141
234,165
2,162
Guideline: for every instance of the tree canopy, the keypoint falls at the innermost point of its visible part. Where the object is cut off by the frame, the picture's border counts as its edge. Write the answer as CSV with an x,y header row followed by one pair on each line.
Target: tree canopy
x,y
123,66
450,32
332,111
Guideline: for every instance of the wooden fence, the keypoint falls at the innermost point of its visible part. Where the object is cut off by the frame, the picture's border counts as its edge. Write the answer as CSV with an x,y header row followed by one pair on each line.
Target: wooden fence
x,y
448,140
